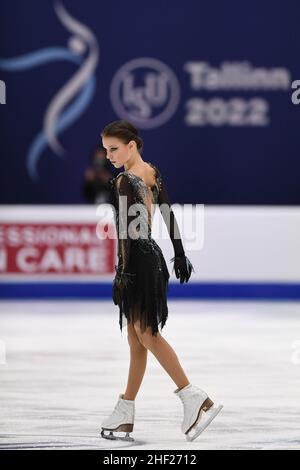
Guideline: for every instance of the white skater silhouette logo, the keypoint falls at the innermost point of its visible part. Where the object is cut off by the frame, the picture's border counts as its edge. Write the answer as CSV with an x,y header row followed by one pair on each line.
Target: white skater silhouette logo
x,y
73,98
145,91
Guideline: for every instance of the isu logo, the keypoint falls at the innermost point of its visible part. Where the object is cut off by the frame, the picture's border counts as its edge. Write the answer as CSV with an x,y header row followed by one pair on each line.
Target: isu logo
x,y
145,91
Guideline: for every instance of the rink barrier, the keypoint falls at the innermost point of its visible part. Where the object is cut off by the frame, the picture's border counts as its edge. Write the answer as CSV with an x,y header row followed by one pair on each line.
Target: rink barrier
x,y
195,290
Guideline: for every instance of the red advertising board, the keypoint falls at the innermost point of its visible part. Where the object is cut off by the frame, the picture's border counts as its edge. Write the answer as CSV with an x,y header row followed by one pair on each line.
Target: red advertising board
x,y
58,248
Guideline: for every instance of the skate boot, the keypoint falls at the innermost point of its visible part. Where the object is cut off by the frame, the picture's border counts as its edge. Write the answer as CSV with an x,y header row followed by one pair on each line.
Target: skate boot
x,y
199,410
121,420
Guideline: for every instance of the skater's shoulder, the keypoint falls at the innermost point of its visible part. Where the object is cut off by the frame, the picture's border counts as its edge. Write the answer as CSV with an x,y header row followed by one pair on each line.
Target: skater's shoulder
x,y
123,176
155,168
157,175
123,182
151,178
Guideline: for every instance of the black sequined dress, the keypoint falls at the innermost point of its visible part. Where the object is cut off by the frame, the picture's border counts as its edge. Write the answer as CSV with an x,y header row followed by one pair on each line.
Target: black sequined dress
x,y
145,297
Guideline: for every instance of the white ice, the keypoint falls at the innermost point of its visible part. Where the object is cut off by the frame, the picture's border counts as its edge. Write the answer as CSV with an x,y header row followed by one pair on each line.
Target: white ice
x,y
66,363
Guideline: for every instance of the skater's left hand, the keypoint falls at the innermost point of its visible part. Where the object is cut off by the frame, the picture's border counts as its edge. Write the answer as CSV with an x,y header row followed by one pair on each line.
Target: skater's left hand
x,y
183,268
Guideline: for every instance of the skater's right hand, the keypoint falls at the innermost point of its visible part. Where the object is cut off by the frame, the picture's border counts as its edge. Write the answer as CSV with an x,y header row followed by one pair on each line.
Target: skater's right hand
x,y
121,282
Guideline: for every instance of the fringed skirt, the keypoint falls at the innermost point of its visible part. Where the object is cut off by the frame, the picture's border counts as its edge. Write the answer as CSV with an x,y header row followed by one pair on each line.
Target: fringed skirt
x,y
145,299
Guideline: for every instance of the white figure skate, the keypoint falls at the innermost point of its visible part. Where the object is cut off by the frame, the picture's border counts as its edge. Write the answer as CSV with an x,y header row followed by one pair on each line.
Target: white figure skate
x,y
121,420
199,410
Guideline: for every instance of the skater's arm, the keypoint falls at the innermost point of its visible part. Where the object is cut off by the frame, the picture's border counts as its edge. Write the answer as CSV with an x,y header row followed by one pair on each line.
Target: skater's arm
x,y
182,265
124,193
169,216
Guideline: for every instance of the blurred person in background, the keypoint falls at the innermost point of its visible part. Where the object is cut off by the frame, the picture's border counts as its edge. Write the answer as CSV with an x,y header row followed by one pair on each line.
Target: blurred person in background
x,y
95,187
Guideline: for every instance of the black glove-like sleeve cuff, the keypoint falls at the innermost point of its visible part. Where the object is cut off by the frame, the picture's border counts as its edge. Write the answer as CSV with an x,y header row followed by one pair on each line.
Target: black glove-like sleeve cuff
x,y
183,268
121,282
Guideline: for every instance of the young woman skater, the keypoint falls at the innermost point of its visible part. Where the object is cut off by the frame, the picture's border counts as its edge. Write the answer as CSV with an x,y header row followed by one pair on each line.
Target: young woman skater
x,y
141,281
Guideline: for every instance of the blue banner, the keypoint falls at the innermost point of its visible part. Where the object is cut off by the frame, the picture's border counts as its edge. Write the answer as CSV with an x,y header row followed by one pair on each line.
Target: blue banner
x,y
209,85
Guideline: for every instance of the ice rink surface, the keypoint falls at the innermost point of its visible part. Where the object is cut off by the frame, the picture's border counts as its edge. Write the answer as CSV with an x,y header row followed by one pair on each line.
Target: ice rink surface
x,y
66,363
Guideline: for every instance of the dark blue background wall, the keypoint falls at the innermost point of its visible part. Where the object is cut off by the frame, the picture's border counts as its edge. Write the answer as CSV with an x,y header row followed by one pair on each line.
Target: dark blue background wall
x,y
234,160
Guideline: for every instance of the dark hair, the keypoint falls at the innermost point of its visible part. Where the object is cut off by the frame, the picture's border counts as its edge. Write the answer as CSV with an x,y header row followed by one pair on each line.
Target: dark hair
x,y
125,131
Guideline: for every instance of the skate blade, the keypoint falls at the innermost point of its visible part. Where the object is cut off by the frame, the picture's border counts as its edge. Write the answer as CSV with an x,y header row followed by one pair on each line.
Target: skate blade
x,y
199,428
114,437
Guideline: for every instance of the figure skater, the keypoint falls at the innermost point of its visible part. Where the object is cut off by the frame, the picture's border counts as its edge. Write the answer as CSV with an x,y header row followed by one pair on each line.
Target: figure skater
x,y
141,281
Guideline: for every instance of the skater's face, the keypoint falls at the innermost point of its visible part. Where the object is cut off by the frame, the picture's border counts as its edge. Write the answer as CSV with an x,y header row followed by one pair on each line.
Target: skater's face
x,y
117,152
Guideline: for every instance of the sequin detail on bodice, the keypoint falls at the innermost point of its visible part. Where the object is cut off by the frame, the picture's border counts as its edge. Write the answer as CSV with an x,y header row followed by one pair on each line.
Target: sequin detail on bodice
x,y
148,196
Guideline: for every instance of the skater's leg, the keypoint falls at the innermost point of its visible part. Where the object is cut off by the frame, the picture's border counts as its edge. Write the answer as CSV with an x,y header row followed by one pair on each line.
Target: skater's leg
x,y
138,362
164,353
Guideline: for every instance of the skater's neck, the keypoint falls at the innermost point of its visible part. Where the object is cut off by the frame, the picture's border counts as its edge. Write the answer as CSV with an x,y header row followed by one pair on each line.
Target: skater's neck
x,y
134,164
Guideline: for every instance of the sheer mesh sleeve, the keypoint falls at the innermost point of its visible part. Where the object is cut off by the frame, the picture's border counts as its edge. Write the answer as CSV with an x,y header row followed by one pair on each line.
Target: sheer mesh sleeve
x,y
124,199
168,216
